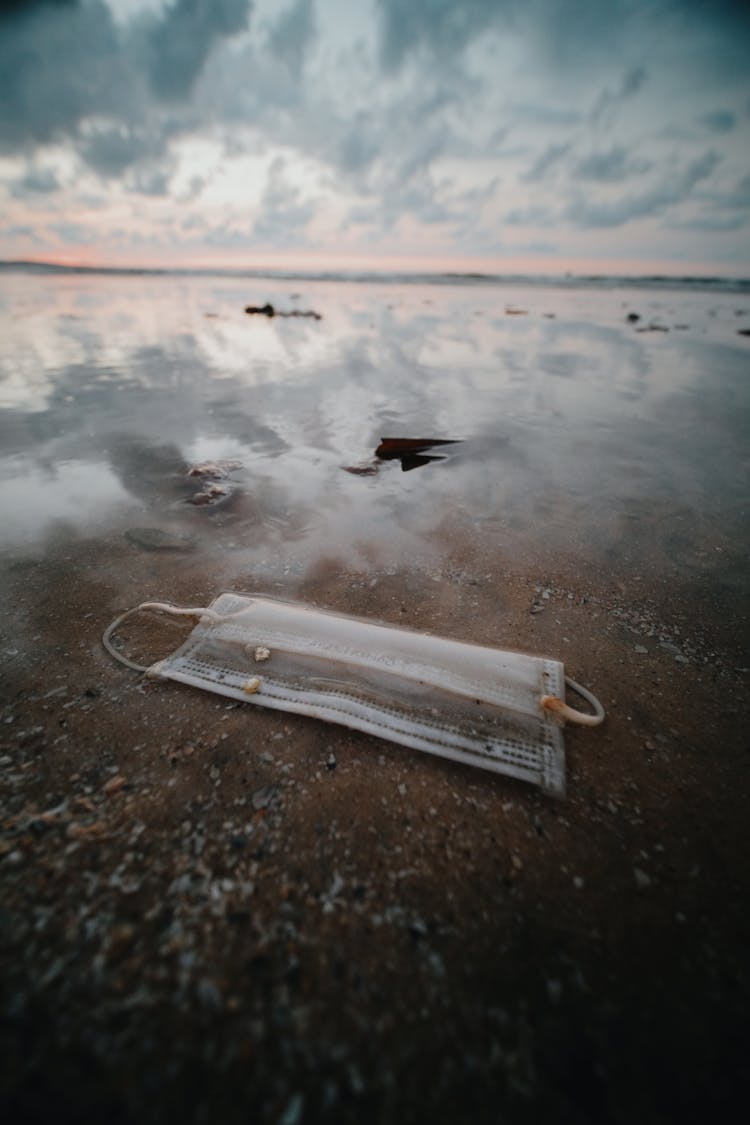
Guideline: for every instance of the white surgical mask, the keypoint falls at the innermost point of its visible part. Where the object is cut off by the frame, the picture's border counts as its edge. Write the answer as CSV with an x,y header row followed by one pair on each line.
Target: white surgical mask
x,y
502,711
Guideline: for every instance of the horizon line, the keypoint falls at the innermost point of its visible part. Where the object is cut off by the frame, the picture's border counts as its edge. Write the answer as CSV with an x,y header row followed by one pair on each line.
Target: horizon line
x,y
371,272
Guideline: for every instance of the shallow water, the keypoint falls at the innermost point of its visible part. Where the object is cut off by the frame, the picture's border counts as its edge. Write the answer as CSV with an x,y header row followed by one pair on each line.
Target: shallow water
x,y
582,438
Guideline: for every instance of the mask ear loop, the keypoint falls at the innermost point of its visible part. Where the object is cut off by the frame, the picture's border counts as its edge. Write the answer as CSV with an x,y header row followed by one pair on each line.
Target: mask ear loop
x,y
164,607
557,707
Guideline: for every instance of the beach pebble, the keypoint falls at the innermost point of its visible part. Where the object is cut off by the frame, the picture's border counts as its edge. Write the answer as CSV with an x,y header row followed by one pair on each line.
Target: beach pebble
x,y
554,990
265,797
292,1115
209,995
640,649
642,880
155,539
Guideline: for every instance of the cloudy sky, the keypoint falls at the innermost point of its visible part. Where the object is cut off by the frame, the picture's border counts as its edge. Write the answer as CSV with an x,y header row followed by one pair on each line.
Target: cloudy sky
x,y
501,134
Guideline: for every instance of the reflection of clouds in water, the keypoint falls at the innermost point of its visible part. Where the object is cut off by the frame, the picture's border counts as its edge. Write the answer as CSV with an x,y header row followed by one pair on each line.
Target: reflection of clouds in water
x,y
83,492
250,350
560,419
149,472
26,385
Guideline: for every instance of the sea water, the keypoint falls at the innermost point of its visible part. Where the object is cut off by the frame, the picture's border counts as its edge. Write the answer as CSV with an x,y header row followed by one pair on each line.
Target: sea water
x,y
581,431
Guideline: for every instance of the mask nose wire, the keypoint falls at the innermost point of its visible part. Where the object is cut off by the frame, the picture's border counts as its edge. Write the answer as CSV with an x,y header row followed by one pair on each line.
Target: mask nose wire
x,y
583,718
176,611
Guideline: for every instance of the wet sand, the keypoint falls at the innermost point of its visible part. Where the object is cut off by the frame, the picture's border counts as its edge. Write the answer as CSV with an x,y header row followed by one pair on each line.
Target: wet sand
x,y
216,912
212,910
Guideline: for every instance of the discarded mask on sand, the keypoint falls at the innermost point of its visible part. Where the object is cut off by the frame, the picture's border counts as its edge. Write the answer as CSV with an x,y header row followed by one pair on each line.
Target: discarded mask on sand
x,y
502,711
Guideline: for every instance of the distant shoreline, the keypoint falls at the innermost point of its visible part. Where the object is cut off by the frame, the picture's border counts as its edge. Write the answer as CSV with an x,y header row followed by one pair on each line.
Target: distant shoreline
x,y
740,286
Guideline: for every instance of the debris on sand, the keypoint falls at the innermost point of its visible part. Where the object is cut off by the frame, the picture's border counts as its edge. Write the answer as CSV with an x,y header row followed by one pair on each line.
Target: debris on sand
x,y
361,470
411,452
397,447
269,311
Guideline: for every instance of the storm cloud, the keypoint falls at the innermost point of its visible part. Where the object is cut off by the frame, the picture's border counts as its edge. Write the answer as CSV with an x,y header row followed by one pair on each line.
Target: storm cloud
x,y
60,62
182,40
66,61
432,127
667,192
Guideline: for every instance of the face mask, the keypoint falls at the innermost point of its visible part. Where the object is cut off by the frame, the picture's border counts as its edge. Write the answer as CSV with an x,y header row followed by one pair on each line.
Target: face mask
x,y
501,711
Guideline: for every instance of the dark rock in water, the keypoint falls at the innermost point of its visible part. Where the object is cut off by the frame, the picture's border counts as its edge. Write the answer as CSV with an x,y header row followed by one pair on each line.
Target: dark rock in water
x,y
156,539
743,331
633,318
269,310
208,473
214,470
210,494
261,310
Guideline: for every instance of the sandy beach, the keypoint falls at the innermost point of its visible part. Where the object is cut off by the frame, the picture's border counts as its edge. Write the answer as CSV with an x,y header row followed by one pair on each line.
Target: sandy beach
x,y
212,911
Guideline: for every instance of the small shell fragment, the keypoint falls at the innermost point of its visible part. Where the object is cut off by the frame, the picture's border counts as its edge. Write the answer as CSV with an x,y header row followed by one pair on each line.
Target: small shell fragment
x,y
252,685
261,653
